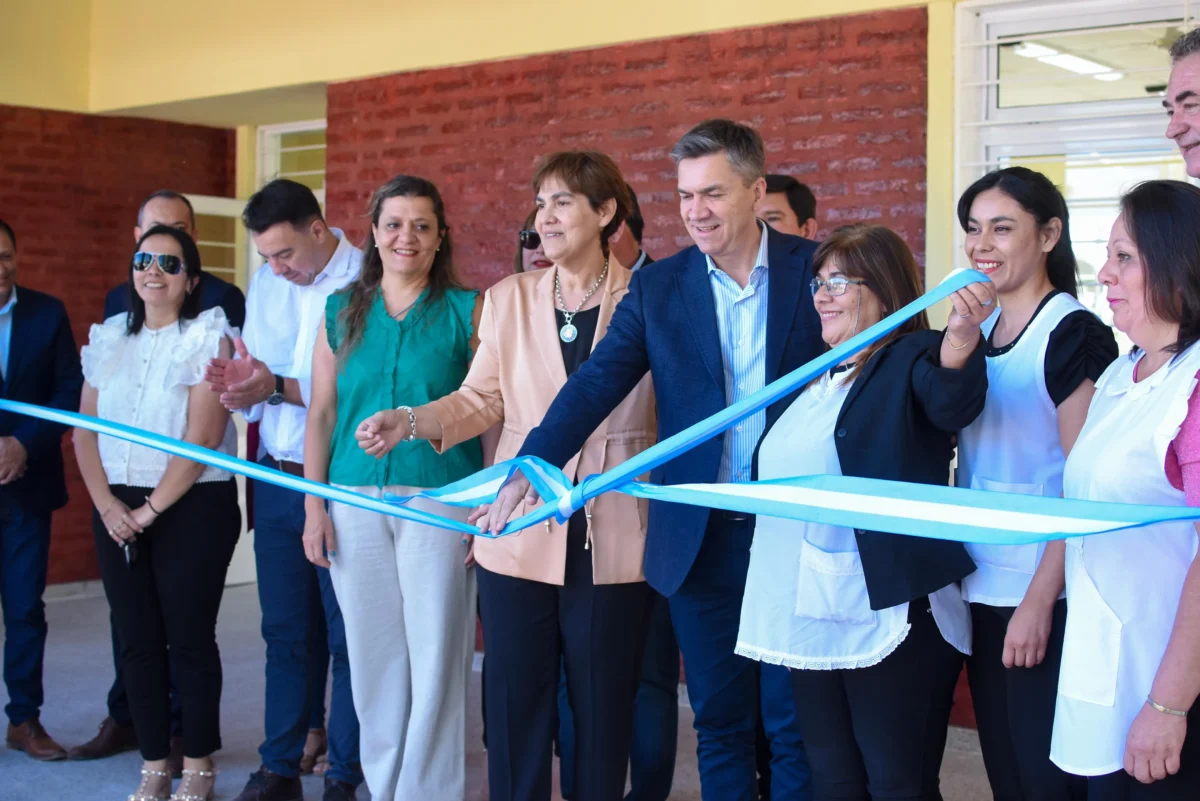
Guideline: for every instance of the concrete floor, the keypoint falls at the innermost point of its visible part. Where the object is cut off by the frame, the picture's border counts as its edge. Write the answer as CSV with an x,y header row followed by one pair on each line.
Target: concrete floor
x,y
79,671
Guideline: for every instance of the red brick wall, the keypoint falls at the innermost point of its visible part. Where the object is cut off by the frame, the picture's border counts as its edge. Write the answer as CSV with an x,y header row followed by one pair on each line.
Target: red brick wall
x,y
841,103
70,186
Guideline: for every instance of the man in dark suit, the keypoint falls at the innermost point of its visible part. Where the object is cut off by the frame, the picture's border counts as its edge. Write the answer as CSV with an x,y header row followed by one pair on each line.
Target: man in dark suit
x,y
712,325
173,210
38,364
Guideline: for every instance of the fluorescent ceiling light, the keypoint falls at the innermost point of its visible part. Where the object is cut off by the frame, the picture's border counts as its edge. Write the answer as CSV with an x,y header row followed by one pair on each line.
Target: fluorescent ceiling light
x,y
1033,50
1081,66
1109,76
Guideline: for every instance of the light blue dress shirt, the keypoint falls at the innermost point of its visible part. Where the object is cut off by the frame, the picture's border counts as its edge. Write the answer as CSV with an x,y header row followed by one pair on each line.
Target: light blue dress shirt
x,y
742,325
6,320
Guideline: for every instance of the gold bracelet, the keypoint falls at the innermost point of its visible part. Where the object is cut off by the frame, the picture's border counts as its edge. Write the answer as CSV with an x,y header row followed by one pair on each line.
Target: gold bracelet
x,y
956,347
1164,709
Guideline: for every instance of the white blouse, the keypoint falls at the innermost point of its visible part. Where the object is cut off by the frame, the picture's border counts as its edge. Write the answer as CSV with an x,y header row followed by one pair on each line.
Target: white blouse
x,y
143,381
806,604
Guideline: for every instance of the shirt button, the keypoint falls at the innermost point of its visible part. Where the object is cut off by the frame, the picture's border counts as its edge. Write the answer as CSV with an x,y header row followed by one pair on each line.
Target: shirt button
x,y
841,432
742,385
738,428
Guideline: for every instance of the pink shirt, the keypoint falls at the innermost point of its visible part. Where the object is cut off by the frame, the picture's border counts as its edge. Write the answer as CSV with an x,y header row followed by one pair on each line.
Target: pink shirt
x,y
1183,454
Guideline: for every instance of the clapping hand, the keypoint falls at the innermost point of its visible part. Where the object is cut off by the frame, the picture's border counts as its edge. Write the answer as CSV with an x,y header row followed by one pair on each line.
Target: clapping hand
x,y
241,382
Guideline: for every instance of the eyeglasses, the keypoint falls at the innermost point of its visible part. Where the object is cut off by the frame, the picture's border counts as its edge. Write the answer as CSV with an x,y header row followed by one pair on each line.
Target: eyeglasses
x,y
529,239
171,265
836,285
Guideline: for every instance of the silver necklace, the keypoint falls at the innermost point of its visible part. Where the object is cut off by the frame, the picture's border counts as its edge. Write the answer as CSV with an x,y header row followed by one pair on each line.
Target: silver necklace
x,y
405,310
569,332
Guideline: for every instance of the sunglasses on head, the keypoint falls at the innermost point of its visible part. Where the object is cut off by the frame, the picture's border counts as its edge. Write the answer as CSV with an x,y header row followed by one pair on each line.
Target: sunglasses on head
x,y
529,239
171,265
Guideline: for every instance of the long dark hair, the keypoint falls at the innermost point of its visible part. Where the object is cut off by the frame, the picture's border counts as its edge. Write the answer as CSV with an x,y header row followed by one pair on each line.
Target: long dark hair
x,y
1038,195
353,318
876,255
1163,219
136,318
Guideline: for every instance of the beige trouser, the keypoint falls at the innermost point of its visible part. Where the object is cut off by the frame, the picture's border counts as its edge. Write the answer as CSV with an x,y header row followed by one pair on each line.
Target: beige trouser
x,y
409,608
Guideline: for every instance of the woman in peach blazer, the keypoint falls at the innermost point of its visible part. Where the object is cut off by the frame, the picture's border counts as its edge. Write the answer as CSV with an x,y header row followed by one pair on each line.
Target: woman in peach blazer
x,y
551,592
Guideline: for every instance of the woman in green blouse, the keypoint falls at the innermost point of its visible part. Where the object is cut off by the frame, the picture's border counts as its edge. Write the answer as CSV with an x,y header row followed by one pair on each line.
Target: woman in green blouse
x,y
404,330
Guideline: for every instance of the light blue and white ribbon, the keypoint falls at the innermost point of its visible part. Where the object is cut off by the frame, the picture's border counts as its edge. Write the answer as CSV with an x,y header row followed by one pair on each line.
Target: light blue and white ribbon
x,y
946,513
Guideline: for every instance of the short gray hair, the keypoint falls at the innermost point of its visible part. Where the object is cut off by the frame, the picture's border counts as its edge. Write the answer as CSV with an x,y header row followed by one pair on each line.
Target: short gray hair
x,y
741,144
1186,45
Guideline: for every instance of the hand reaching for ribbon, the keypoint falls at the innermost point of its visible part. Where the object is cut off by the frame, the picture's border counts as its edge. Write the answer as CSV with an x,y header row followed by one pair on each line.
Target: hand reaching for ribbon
x,y
495,515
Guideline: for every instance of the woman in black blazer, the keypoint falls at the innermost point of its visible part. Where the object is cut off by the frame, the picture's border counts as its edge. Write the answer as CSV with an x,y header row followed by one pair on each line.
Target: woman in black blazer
x,y
872,624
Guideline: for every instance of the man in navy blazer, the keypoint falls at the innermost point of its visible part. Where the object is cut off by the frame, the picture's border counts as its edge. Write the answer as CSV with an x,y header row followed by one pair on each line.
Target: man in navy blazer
x,y
169,208
38,364
712,325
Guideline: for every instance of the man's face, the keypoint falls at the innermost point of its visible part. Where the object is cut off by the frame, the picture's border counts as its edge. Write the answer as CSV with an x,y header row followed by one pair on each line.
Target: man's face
x,y
1183,109
8,266
716,204
165,211
776,212
294,253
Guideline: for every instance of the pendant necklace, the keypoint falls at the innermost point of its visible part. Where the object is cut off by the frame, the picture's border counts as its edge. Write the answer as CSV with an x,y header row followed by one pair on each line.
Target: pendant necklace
x,y
569,332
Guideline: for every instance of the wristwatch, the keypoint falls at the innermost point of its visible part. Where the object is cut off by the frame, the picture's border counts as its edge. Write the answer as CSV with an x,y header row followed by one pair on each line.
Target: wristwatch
x,y
276,397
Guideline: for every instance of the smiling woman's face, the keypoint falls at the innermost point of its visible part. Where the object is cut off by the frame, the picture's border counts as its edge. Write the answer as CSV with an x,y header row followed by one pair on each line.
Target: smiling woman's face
x,y
157,289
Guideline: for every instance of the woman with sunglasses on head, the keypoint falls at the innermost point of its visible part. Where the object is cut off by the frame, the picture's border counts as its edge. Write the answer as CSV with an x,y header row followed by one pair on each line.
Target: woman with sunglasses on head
x,y
872,624
1125,715
530,253
1044,351
553,592
165,527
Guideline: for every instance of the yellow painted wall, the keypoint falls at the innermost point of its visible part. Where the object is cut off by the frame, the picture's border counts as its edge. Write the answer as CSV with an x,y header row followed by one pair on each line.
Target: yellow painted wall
x,y
232,46
44,53
940,202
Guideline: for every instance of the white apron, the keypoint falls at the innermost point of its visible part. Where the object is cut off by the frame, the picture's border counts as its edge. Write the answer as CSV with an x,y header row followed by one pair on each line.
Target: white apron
x,y
1123,588
1014,446
806,603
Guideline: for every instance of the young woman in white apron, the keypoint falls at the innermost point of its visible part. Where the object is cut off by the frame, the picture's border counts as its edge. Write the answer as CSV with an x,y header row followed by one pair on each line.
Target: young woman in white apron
x,y
1131,654
1045,351
873,625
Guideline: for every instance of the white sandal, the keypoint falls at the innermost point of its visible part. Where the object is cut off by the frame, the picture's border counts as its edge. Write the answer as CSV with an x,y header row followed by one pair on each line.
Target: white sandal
x,y
148,776
184,792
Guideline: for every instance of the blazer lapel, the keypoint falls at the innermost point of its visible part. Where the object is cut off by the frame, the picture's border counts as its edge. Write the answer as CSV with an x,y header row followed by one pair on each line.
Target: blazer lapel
x,y
783,295
701,313
544,325
860,381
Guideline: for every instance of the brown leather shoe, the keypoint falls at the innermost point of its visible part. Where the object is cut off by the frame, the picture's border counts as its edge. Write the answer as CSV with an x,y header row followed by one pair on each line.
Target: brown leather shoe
x,y
112,739
31,738
175,758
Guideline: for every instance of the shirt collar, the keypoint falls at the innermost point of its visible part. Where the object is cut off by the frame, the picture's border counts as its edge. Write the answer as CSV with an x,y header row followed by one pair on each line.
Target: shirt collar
x,y
12,301
762,252
641,259
339,263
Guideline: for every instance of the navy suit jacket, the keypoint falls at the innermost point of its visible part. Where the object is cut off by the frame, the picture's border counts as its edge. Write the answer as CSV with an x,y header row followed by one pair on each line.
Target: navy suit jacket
x,y
213,292
43,368
667,324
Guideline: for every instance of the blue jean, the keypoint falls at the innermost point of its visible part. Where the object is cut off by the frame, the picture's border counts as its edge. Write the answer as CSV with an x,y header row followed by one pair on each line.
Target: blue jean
x,y
656,716
706,612
24,559
300,621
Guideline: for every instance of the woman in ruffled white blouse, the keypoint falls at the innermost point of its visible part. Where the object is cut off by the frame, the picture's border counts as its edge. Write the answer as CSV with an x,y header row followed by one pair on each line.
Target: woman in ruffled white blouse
x,y
165,527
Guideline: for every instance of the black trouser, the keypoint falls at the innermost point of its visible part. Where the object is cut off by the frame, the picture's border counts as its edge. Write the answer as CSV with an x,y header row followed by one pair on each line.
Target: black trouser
x,y
879,732
168,600
528,627
118,700
1183,786
1014,708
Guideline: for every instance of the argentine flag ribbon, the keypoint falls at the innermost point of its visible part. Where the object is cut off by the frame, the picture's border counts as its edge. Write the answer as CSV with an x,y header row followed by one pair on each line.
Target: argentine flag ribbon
x,y
947,513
